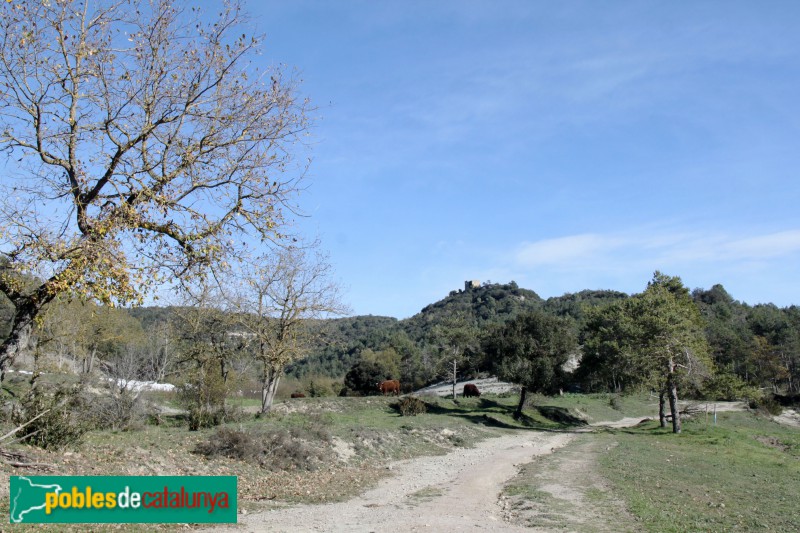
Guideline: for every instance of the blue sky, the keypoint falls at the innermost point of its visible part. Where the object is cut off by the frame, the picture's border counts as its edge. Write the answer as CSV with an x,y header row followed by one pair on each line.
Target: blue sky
x,y
562,145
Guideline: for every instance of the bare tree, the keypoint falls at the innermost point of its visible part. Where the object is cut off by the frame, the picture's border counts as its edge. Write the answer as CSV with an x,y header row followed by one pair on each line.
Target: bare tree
x,y
280,295
454,340
159,355
142,144
206,349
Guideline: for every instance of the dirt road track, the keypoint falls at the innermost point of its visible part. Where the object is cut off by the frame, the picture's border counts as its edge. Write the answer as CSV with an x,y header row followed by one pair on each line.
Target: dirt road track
x,y
454,492
457,492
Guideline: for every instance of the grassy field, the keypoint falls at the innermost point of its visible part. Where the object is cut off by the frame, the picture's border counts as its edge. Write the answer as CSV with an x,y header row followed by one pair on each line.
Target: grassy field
x,y
328,449
741,475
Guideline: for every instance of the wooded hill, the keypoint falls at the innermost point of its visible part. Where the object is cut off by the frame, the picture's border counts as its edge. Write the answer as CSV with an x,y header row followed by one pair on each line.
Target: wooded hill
x,y
758,345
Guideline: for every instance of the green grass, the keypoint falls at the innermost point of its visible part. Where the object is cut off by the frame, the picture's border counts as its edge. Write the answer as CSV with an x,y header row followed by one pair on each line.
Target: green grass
x,y
379,432
741,475
424,495
602,407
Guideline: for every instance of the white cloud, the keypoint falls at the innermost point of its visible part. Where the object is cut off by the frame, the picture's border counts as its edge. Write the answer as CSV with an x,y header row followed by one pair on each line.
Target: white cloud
x,y
626,260
763,246
570,250
612,251
753,267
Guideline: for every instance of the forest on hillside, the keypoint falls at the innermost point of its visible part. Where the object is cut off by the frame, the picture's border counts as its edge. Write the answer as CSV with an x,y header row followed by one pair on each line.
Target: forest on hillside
x,y
745,346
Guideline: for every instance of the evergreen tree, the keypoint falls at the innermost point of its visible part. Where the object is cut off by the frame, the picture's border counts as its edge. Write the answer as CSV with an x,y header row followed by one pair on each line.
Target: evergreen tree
x,y
530,350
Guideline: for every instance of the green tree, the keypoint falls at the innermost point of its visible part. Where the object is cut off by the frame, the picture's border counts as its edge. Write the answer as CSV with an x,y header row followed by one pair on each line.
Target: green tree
x,y
608,360
730,341
144,146
774,360
388,359
671,339
655,340
530,350
363,377
205,351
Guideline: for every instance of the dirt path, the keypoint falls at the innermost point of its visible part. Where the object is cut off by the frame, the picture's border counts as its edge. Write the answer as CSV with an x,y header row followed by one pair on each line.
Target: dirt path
x,y
566,492
455,492
460,492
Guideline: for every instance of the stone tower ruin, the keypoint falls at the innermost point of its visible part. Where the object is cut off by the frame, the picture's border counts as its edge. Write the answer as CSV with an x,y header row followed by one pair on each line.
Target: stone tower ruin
x,y
472,284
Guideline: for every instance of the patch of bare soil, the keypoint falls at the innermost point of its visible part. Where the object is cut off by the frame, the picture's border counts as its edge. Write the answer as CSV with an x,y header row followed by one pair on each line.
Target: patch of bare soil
x,y
455,492
485,385
772,442
789,417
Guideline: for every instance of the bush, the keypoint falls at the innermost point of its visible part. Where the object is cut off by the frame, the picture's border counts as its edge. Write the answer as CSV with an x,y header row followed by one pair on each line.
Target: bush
x,y
727,387
767,405
230,443
363,376
295,449
203,396
411,406
790,400
318,389
60,421
615,402
116,409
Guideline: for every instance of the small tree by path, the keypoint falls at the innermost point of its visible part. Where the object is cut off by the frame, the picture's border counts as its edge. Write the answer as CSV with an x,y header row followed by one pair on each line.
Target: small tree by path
x,y
653,340
456,340
280,294
530,351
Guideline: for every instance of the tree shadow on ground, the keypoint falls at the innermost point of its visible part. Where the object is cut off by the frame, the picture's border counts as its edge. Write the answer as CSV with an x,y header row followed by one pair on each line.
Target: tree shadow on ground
x,y
560,415
491,413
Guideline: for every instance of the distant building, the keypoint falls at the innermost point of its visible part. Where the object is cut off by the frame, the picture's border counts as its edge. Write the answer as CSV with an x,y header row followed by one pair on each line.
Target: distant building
x,y
472,284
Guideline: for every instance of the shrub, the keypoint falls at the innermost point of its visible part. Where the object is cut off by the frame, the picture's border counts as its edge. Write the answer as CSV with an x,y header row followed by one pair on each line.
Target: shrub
x,y
411,406
790,400
116,409
766,405
229,443
53,420
615,402
727,387
295,449
319,388
363,376
203,396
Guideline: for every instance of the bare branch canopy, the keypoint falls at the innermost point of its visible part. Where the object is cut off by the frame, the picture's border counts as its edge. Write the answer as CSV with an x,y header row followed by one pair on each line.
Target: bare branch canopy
x,y
142,143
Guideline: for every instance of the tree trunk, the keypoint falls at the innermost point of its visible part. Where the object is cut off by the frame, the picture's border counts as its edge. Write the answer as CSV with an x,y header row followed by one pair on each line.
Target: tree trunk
x,y
662,405
454,378
223,369
88,362
672,388
522,394
268,389
19,337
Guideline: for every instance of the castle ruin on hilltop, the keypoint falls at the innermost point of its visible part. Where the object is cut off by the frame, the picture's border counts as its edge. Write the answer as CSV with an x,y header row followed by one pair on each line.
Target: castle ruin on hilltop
x,y
472,284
